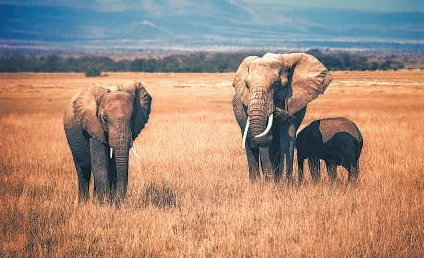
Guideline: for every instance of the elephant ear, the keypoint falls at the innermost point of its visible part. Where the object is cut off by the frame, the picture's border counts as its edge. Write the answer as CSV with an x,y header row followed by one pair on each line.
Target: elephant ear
x,y
142,106
239,83
85,109
306,77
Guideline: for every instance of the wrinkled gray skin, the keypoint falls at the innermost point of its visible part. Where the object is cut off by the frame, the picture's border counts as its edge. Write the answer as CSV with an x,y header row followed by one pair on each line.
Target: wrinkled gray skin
x,y
96,120
281,85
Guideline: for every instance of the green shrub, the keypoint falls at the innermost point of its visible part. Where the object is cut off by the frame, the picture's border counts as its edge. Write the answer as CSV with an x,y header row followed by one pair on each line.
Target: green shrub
x,y
92,72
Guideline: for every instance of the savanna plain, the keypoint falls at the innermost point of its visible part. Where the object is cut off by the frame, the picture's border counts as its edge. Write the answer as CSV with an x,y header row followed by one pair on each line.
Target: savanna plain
x,y
189,193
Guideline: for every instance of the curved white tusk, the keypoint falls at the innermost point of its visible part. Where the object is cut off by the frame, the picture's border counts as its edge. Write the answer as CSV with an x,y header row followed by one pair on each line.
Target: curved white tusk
x,y
134,150
246,128
111,152
268,127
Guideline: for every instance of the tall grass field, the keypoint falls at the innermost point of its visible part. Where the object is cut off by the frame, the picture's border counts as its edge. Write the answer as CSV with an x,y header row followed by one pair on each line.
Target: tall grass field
x,y
189,193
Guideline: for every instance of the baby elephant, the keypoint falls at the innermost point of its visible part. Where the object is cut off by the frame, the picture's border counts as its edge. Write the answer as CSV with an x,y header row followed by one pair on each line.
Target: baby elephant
x,y
337,141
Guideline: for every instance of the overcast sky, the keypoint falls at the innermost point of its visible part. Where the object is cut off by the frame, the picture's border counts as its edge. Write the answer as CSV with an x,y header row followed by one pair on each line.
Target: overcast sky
x,y
374,5
206,21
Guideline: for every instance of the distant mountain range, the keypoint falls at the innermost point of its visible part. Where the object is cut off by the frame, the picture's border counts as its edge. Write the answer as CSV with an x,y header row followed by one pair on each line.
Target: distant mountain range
x,y
206,25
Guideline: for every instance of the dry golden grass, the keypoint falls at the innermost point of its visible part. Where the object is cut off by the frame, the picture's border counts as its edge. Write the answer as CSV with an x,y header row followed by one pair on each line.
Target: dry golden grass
x,y
192,159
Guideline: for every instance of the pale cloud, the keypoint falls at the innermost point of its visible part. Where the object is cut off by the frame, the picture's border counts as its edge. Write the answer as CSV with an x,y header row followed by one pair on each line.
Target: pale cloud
x,y
164,7
370,5
111,5
147,23
179,3
157,6
151,7
95,31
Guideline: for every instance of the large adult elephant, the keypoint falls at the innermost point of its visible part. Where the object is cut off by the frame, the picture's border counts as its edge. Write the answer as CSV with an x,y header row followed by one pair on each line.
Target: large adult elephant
x,y
271,95
101,125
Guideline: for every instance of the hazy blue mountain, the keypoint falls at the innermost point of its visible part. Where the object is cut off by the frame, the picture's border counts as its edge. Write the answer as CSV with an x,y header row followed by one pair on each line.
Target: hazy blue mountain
x,y
213,23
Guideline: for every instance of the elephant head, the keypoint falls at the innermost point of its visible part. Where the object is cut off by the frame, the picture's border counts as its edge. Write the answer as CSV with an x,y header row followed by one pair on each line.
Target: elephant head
x,y
114,117
277,84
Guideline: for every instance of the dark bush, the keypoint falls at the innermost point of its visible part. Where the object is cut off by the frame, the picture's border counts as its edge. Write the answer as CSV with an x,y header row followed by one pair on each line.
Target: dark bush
x,y
92,72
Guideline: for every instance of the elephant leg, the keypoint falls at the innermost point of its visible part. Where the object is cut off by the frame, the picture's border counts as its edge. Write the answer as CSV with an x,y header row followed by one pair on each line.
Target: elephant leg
x,y
275,154
314,168
277,164
270,162
331,170
296,120
289,159
99,166
300,162
287,144
353,172
80,149
83,174
284,146
253,162
266,163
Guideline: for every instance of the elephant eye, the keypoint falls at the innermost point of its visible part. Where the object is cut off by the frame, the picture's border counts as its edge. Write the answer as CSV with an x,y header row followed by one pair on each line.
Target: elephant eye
x,y
104,119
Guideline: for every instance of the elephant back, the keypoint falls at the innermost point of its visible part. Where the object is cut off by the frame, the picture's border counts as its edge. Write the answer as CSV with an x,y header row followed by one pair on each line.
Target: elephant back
x,y
331,126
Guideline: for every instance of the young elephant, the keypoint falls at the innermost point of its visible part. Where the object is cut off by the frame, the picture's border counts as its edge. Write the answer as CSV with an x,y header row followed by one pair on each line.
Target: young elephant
x,y
337,141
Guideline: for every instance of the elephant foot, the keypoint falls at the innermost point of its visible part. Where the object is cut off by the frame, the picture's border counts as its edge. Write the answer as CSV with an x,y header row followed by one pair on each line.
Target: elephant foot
x,y
254,175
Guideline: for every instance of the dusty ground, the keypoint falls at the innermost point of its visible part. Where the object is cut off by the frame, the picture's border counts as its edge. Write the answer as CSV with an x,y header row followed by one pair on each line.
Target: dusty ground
x,y
191,147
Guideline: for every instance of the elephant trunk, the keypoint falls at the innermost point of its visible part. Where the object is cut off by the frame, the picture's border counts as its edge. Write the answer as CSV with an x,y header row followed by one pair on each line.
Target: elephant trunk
x,y
121,141
260,122
121,160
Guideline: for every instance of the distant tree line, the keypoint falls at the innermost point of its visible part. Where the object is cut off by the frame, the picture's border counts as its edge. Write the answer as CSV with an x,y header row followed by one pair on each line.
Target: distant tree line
x,y
345,61
193,62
